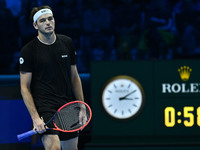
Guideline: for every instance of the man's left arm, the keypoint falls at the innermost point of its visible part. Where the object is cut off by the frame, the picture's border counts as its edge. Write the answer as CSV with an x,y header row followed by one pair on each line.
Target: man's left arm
x,y
76,83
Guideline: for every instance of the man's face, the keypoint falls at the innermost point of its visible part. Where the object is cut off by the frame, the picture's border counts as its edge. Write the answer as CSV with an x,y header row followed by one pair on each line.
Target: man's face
x,y
45,24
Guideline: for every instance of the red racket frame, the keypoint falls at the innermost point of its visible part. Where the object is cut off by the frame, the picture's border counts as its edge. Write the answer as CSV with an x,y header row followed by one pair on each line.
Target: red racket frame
x,y
90,112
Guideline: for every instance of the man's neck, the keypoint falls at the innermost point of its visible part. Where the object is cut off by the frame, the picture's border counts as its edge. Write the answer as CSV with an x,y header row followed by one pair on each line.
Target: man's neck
x,y
47,39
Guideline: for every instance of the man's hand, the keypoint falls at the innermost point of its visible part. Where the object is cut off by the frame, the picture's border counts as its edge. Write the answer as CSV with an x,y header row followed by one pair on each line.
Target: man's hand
x,y
83,116
39,125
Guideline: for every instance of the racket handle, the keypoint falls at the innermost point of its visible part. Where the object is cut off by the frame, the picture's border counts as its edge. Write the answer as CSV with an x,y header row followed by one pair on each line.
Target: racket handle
x,y
25,134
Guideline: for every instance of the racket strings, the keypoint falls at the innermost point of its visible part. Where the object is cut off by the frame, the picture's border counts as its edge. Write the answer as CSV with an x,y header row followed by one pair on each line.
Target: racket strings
x,y
61,122
72,117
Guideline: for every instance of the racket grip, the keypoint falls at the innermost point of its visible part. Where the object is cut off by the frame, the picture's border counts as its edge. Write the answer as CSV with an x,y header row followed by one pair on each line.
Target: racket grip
x,y
25,134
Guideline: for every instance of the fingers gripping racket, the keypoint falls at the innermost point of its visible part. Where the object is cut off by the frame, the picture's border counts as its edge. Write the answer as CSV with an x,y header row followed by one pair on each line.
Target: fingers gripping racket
x,y
71,117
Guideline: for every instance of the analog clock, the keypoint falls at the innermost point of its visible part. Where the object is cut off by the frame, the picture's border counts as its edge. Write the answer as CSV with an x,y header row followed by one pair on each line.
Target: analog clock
x,y
123,97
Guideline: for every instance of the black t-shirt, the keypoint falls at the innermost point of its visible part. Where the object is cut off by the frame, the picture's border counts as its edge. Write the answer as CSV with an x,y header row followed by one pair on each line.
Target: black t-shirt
x,y
50,66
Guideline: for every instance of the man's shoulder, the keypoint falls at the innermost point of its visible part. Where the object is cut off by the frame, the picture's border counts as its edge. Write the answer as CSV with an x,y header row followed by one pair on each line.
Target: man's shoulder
x,y
29,45
64,37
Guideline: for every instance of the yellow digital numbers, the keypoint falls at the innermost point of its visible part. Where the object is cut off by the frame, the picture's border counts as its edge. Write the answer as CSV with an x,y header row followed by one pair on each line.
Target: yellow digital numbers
x,y
171,116
198,116
188,113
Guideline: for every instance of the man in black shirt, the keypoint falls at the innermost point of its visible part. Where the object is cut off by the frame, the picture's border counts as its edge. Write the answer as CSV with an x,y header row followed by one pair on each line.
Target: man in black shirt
x,y
49,78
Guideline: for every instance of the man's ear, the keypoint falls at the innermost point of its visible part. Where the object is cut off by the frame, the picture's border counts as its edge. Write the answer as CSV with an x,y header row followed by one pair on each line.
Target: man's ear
x,y
35,25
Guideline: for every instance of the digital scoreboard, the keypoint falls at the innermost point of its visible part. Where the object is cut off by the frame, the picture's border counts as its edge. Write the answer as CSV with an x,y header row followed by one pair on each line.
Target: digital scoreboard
x,y
170,101
177,95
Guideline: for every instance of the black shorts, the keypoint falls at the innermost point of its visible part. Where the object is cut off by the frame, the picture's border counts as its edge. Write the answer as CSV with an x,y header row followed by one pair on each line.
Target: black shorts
x,y
62,135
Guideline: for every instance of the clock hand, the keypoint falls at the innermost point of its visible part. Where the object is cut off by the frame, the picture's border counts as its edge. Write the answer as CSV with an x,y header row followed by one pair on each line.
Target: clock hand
x,y
125,97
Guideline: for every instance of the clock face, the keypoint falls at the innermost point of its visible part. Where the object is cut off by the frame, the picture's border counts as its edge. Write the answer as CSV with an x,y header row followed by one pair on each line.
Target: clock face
x,y
123,97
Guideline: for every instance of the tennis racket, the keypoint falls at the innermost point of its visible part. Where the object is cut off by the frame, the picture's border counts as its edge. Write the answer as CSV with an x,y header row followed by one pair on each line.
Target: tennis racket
x,y
71,117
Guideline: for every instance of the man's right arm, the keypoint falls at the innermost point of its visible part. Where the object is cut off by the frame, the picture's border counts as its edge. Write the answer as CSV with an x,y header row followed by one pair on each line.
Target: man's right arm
x,y
25,82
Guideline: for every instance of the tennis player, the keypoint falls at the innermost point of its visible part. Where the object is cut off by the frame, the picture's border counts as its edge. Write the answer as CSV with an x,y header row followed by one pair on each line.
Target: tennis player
x,y
49,78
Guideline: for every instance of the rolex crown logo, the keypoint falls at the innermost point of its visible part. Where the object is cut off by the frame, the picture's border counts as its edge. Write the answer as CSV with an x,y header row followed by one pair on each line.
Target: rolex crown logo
x,y
185,72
